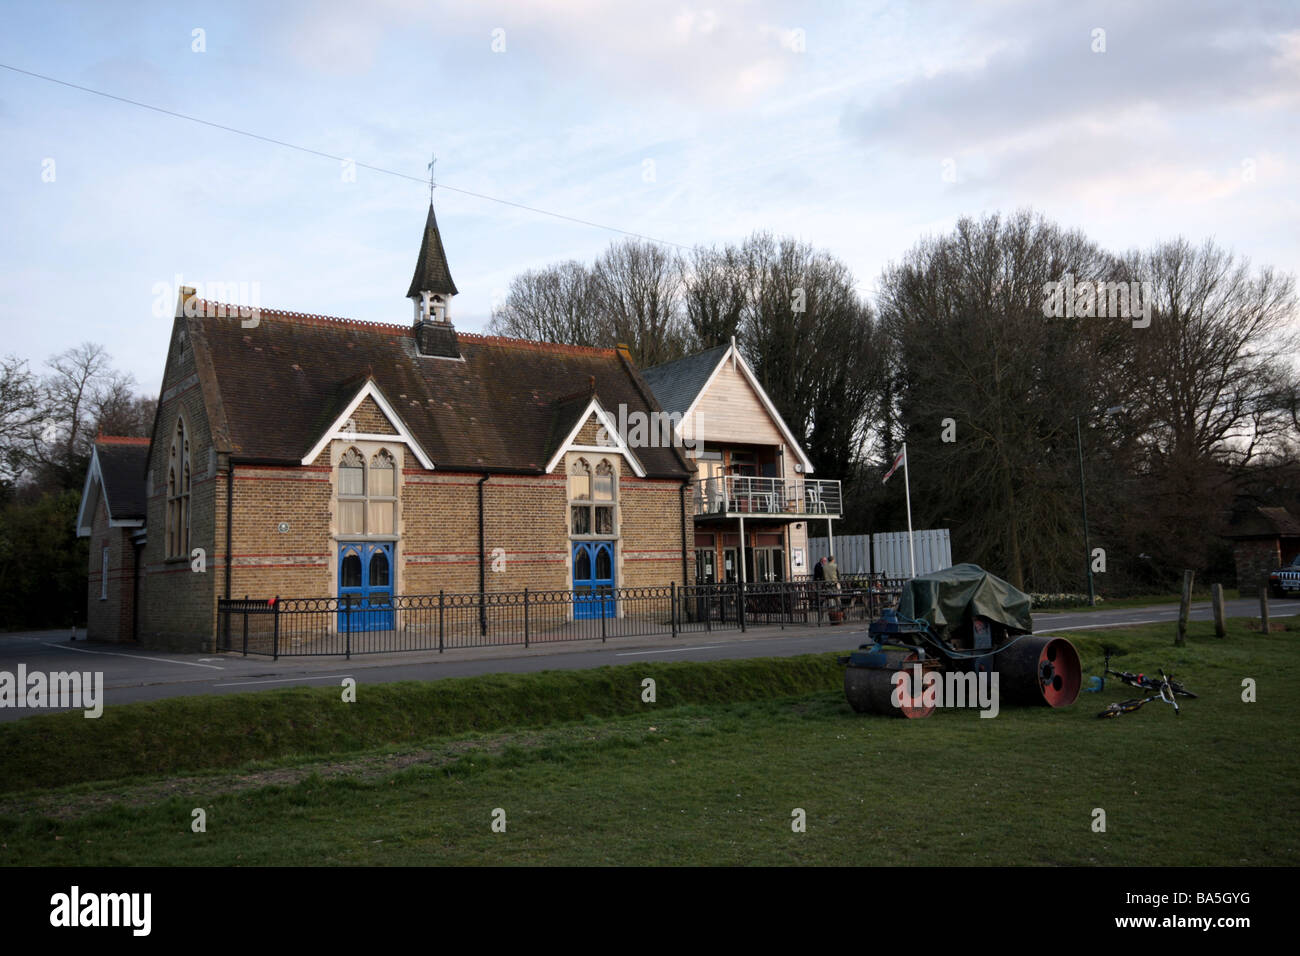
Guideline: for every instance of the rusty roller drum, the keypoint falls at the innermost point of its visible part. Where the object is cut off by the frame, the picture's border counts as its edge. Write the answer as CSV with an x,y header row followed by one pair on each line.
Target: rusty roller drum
x,y
869,689
1039,670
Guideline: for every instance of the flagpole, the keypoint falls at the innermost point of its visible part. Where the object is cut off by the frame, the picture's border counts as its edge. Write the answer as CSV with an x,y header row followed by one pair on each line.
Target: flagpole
x,y
907,487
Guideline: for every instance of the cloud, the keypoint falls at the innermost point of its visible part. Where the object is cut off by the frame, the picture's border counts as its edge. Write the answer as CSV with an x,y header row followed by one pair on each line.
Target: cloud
x,y
1025,75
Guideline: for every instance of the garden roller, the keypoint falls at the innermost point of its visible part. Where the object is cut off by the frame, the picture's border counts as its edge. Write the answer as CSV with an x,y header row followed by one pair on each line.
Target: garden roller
x,y
955,628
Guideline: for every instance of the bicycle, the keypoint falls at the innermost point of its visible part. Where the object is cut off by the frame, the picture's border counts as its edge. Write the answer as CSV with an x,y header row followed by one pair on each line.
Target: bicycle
x,y
1164,692
1142,681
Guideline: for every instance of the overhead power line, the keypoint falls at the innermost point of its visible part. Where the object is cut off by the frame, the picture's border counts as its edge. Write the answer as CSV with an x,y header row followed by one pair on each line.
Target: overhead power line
x,y
316,152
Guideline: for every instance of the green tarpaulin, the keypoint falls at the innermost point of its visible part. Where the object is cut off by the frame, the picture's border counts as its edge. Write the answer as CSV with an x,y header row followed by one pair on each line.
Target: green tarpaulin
x,y
951,597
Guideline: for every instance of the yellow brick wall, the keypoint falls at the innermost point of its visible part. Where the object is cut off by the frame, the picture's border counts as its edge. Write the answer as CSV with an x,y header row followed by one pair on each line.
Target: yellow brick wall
x,y
369,419
178,605
526,517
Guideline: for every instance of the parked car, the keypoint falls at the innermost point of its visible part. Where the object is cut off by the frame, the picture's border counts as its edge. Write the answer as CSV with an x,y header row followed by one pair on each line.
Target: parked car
x,y
1285,578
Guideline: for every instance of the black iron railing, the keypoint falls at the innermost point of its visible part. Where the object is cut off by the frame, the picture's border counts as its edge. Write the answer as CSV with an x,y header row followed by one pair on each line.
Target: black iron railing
x,y
290,627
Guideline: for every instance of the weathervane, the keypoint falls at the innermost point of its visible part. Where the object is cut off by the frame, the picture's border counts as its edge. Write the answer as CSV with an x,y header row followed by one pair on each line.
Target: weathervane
x,y
432,163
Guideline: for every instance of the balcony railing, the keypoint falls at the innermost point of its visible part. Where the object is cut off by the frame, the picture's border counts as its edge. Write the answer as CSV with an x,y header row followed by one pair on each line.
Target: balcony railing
x,y
743,495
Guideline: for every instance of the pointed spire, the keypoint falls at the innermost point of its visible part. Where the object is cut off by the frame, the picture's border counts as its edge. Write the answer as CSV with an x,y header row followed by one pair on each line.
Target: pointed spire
x,y
431,271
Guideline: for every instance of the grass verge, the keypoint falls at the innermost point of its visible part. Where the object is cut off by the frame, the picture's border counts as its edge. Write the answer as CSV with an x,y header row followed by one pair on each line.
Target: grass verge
x,y
717,782
198,733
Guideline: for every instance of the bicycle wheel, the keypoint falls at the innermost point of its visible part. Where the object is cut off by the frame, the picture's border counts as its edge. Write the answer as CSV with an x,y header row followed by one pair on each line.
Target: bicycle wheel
x,y
1121,707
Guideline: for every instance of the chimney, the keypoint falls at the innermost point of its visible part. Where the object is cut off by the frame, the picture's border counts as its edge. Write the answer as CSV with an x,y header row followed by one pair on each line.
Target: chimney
x,y
184,294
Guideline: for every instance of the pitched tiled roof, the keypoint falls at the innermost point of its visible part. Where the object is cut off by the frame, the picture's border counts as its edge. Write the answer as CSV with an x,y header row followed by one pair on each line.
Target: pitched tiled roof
x,y
278,386
122,463
1265,523
677,384
431,271
1282,520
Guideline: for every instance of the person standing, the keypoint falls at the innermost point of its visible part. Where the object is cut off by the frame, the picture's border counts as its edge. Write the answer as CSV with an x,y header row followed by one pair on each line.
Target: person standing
x,y
832,572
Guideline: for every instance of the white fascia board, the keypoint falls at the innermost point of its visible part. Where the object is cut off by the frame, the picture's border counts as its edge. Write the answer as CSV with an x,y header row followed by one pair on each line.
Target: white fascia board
x,y
93,472
731,352
336,430
620,446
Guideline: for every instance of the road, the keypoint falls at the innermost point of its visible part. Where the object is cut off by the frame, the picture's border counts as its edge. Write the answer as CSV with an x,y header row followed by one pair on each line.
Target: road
x,y
132,674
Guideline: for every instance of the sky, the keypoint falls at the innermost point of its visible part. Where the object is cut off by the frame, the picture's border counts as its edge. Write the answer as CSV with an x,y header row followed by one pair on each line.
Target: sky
x,y
860,127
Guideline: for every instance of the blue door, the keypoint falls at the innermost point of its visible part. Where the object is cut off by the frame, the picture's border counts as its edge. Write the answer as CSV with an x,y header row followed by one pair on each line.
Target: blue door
x,y
593,580
366,580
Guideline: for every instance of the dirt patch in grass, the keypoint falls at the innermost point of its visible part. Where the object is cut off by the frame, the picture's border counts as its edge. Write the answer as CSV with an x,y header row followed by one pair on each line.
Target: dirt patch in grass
x,y
71,804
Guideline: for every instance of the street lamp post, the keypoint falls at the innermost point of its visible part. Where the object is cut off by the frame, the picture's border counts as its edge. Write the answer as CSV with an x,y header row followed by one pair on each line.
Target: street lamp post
x,y
1083,497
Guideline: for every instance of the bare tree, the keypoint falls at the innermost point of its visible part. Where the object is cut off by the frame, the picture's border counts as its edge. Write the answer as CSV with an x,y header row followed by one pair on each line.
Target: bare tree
x,y
20,409
1214,394
1214,379
555,304
81,395
812,342
988,388
715,293
70,392
638,286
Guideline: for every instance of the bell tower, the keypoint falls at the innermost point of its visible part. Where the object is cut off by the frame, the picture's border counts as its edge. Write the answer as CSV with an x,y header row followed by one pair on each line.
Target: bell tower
x,y
431,292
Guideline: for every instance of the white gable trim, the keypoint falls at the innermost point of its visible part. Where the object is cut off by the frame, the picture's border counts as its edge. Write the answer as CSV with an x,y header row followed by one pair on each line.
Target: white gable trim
x,y
337,432
84,530
620,446
93,474
733,353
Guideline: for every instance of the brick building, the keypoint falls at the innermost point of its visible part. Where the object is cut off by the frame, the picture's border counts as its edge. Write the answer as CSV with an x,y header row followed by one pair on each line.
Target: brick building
x,y
112,516
305,456
1262,538
753,498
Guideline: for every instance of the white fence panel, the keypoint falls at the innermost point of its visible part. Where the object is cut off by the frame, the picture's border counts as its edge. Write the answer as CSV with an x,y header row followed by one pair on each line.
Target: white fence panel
x,y
889,552
885,552
852,553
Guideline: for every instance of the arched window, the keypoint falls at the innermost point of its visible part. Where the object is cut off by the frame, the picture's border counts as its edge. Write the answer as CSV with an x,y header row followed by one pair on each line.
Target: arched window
x,y
592,499
382,517
580,491
367,495
603,491
352,493
178,493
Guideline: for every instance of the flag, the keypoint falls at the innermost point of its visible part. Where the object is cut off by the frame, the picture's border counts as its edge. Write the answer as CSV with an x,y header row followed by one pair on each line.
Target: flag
x,y
894,467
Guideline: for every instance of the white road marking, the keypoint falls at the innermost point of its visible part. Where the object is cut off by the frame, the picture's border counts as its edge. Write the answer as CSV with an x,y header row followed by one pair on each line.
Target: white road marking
x,y
281,680
138,657
668,650
1086,627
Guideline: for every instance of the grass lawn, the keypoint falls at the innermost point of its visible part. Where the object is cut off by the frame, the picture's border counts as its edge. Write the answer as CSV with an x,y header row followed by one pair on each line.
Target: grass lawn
x,y
714,781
